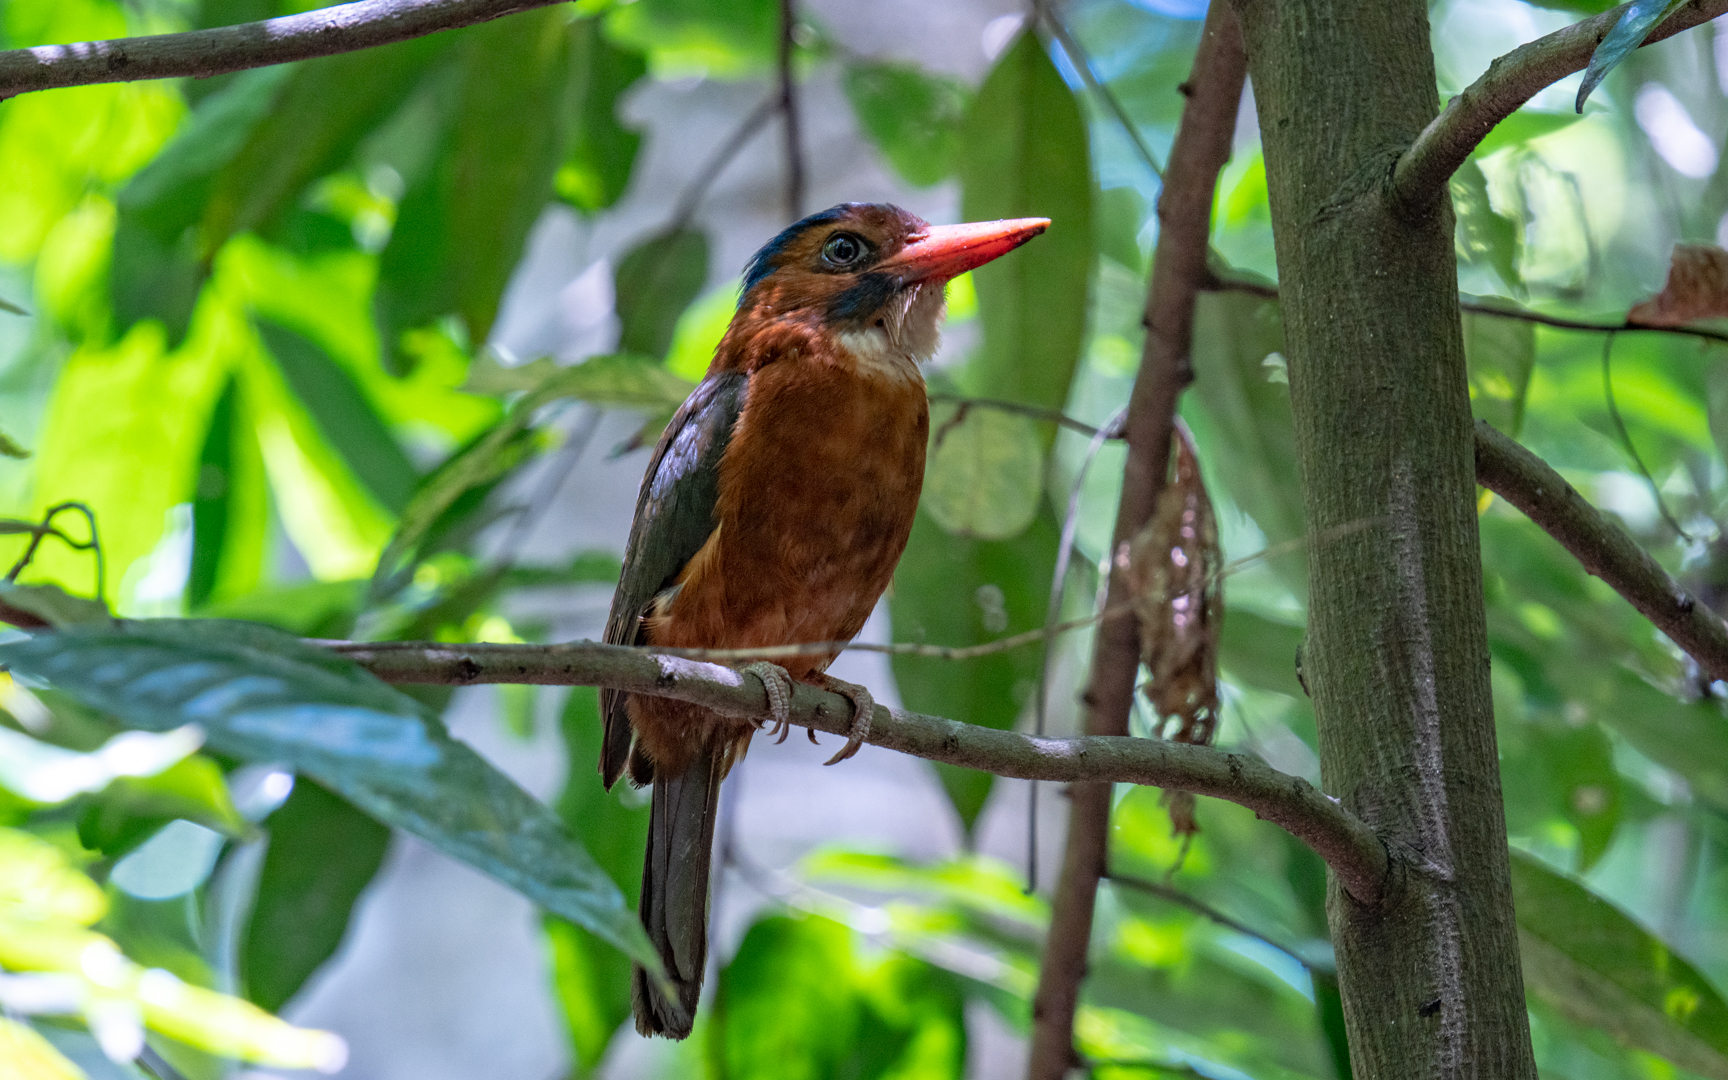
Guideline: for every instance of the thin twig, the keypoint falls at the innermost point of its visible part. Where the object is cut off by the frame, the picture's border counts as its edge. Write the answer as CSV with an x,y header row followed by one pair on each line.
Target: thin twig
x,y
1197,156
1082,63
1172,894
789,112
1339,837
711,169
1626,438
200,54
1510,81
46,529
1036,412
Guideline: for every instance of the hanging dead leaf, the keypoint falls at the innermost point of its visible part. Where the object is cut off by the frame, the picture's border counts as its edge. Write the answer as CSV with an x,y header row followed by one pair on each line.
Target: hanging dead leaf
x,y
1697,288
1172,571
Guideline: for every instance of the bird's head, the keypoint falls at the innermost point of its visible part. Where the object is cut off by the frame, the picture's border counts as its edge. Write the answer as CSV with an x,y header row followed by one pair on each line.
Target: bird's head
x,y
871,274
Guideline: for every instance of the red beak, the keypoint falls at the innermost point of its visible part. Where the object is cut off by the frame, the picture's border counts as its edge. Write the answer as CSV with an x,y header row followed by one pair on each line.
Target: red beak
x,y
947,251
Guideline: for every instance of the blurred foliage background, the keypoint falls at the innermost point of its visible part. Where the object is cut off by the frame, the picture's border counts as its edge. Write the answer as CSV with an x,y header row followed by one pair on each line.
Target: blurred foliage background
x,y
251,337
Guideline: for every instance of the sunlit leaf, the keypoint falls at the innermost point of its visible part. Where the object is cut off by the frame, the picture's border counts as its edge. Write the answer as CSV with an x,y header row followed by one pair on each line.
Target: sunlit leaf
x,y
654,283
1523,126
702,326
1592,964
719,38
595,174
1484,234
1641,17
130,810
1500,354
322,853
264,696
912,116
28,1056
460,228
950,590
1024,154
985,472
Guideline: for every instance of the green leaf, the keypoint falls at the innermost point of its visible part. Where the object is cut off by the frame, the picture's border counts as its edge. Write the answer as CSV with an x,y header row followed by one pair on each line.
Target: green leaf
x,y
597,171
1024,154
1523,126
54,605
1483,234
131,809
653,284
1501,354
716,38
461,227
913,117
230,505
322,854
1641,17
620,380
263,695
28,1056
985,474
592,982
951,590
1598,968
343,414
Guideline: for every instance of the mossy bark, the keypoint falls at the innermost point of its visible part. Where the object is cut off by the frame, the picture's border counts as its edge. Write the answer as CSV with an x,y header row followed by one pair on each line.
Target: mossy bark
x,y
1396,654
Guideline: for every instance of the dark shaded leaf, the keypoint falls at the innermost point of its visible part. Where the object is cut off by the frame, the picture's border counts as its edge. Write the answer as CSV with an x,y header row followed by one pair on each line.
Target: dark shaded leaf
x,y
54,605
592,982
262,695
912,116
210,500
595,174
460,228
1595,966
343,414
653,284
950,590
1501,355
1024,154
1641,17
321,856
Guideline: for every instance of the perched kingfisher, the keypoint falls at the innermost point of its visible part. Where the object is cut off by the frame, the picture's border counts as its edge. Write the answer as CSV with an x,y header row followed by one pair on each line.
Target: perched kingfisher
x,y
773,512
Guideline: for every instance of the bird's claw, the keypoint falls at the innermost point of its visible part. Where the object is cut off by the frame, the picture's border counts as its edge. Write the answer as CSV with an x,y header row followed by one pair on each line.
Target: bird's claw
x,y
863,709
777,684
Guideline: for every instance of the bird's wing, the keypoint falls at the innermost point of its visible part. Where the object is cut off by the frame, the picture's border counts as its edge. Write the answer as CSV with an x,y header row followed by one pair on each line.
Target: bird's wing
x,y
674,518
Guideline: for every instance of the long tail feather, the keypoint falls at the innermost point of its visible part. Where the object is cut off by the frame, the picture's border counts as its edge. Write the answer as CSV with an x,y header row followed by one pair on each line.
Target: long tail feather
x,y
674,904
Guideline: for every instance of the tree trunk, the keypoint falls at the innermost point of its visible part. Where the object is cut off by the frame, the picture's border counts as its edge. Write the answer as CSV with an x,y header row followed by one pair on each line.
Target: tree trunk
x,y
1396,654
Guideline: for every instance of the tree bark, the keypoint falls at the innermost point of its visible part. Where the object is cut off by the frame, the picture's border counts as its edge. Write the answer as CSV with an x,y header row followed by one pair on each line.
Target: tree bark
x,y
1396,654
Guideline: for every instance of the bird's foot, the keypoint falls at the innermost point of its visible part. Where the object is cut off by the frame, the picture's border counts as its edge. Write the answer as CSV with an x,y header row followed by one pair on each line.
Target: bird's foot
x,y
777,684
863,708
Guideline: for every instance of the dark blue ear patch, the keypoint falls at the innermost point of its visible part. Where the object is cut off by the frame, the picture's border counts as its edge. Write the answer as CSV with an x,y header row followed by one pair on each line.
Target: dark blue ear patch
x,y
870,293
762,263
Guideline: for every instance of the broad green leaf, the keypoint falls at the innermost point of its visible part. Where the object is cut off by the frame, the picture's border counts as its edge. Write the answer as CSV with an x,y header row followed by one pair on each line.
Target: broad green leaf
x,y
1523,126
343,414
798,1002
130,810
230,505
460,228
1501,354
703,325
654,283
53,604
1555,769
322,853
985,473
1024,154
619,380
1483,234
950,590
160,259
1254,437
28,1056
315,609
1595,966
716,38
1257,651
1641,17
595,174
265,696
913,117
592,982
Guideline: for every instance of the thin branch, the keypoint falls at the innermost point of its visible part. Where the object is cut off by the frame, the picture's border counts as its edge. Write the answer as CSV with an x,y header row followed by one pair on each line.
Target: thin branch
x,y
1082,62
789,113
1626,439
716,164
1197,156
1503,311
1171,894
1510,81
202,53
1602,547
1035,412
1289,801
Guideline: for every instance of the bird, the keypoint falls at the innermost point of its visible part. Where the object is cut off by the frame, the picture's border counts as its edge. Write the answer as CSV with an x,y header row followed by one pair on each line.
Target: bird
x,y
773,512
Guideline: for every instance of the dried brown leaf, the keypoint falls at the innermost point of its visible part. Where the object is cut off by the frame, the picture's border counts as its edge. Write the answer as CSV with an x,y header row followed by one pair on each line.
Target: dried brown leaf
x,y
1697,288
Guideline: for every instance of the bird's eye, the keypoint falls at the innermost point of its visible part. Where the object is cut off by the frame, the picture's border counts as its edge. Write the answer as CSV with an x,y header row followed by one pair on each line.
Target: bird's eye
x,y
842,250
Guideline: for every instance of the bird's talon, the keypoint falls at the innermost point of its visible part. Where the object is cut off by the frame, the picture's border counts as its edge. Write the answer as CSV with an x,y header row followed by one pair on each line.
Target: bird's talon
x,y
863,709
777,684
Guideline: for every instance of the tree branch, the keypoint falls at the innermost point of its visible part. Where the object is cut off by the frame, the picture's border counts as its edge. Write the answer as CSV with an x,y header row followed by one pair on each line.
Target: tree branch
x,y
1201,147
1603,548
1509,82
1340,838
202,53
